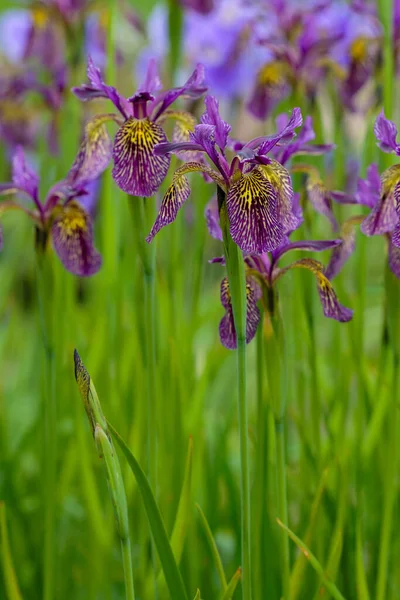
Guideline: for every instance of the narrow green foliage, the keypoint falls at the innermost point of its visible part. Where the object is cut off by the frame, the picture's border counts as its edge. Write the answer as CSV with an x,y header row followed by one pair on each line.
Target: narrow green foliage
x,y
232,585
168,563
316,565
10,578
214,550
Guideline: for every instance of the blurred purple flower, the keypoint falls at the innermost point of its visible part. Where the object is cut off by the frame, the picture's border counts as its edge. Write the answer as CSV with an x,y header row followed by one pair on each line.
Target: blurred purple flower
x,y
65,214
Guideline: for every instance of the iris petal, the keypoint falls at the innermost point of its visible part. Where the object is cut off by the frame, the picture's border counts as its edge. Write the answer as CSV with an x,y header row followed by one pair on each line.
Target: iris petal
x,y
72,234
280,180
177,193
383,216
137,170
252,207
227,331
330,304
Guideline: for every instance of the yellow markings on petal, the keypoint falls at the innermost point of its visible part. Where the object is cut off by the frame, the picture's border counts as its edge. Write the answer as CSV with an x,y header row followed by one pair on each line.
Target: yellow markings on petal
x,y
191,167
70,220
359,49
273,74
389,179
40,15
304,263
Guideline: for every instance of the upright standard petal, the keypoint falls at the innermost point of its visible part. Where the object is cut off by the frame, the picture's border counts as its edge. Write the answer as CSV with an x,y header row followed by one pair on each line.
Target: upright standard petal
x,y
194,88
386,133
369,189
266,143
98,89
23,176
252,207
177,194
330,304
212,117
137,169
227,331
72,235
94,153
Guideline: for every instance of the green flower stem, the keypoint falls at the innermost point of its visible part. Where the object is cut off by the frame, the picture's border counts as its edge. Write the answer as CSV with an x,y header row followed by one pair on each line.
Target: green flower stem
x,y
117,491
275,361
46,313
386,17
392,319
237,284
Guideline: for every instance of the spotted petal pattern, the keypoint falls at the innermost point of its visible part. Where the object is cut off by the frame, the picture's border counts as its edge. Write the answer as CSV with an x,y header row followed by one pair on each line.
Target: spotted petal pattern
x,y
227,331
330,304
177,194
137,170
72,234
252,206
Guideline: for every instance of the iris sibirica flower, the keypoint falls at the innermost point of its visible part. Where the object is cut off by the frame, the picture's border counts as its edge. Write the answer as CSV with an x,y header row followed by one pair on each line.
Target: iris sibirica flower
x,y
137,170
258,189
262,274
63,215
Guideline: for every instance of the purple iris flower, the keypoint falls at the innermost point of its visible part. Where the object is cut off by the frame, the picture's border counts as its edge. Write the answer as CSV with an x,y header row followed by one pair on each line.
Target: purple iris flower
x,y
137,169
204,7
258,189
63,215
263,272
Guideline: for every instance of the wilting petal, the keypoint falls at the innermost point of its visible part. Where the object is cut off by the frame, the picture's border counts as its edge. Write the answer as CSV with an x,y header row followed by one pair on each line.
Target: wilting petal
x,y
98,89
94,153
252,207
72,234
212,219
330,304
193,88
394,259
386,133
212,117
23,176
137,170
343,251
177,194
280,180
227,327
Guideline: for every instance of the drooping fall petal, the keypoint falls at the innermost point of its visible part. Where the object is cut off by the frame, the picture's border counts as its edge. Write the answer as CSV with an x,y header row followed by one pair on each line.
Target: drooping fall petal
x,y
72,234
227,327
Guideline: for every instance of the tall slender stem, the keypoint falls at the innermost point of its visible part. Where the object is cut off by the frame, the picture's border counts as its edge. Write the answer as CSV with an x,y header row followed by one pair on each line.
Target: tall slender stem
x,y
282,501
237,284
46,301
128,573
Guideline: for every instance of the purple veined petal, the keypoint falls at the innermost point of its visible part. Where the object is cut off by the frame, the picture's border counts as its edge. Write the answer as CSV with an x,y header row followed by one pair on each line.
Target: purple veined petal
x,y
342,253
369,189
386,133
330,304
23,176
252,207
311,245
204,135
217,260
383,217
227,331
94,153
152,81
342,197
72,234
98,89
394,259
212,219
177,194
266,143
212,117
137,169
278,176
193,88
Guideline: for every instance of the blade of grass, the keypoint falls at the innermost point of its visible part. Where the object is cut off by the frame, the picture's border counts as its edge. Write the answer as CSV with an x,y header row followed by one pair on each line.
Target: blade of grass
x,y
232,585
214,549
172,574
10,579
316,565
